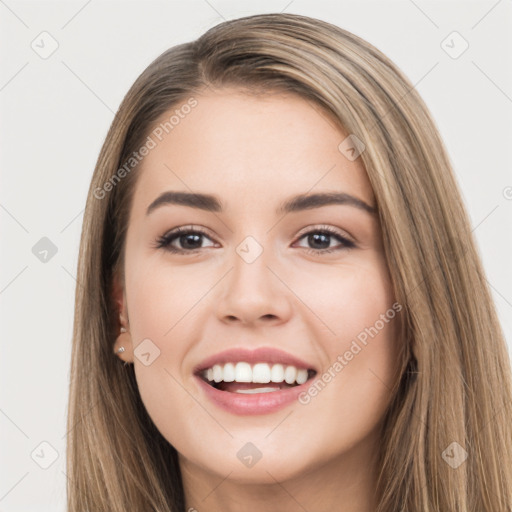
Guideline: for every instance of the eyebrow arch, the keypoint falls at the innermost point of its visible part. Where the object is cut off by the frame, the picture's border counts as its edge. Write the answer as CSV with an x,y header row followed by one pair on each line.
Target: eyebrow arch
x,y
300,202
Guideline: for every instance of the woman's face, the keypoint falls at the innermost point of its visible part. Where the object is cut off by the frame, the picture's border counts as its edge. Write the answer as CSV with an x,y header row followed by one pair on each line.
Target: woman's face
x,y
258,276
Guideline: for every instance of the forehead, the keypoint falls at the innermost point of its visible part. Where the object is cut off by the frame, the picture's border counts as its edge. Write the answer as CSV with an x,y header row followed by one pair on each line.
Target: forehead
x,y
229,143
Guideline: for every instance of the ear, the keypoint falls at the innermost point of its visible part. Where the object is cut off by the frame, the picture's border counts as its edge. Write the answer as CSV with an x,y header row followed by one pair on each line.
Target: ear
x,y
119,297
124,338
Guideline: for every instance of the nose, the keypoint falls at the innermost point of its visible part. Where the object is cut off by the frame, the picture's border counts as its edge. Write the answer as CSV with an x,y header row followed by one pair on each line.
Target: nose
x,y
254,293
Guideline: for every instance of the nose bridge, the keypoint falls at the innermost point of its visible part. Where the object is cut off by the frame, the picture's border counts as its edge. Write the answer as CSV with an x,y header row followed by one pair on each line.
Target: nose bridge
x,y
252,290
251,276
251,261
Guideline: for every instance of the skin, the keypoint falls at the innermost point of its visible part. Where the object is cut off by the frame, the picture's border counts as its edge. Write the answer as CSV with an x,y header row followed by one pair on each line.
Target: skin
x,y
255,152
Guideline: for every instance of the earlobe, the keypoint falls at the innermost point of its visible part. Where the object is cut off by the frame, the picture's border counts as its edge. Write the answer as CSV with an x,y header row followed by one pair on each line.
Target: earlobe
x,y
123,346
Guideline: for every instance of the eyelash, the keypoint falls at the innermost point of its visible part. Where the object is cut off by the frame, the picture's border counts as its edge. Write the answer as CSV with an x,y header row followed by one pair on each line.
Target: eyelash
x,y
164,241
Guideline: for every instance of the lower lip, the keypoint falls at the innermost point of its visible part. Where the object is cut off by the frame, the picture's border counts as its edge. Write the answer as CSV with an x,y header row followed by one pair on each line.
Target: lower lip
x,y
253,403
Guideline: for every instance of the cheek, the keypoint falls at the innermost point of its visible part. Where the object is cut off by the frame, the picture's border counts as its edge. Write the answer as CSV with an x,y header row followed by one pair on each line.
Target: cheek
x,y
163,305
346,300
356,325
161,299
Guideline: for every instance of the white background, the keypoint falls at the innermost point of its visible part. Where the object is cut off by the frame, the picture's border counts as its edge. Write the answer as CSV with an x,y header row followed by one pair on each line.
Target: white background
x,y
55,114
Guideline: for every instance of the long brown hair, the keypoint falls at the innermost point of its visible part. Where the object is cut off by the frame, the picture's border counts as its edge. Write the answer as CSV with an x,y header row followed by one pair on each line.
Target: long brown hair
x,y
454,397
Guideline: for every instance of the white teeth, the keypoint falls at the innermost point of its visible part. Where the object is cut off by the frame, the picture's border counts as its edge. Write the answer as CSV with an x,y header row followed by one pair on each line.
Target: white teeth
x,y
277,373
257,390
229,372
302,376
290,374
243,372
217,372
261,373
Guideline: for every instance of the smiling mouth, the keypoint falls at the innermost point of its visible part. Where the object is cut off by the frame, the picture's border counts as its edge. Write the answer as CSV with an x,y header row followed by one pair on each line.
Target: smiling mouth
x,y
251,387
260,378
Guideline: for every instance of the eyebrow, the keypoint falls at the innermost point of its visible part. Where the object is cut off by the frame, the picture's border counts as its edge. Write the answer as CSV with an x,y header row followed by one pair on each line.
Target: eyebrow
x,y
212,203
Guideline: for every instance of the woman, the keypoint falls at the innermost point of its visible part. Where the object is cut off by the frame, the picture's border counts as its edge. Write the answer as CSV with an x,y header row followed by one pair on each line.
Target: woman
x,y
222,359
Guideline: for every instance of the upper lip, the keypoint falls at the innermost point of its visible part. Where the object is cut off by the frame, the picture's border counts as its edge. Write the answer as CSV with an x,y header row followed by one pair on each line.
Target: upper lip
x,y
259,355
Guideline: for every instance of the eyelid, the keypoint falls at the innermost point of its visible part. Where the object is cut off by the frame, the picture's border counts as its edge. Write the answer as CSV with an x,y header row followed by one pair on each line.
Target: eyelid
x,y
175,232
346,242
345,239
327,227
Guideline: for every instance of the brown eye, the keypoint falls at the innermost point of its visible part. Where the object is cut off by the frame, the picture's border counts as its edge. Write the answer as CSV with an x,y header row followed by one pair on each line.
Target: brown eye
x,y
320,241
189,240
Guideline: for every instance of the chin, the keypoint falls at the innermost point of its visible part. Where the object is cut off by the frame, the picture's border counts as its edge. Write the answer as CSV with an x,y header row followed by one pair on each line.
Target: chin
x,y
246,464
